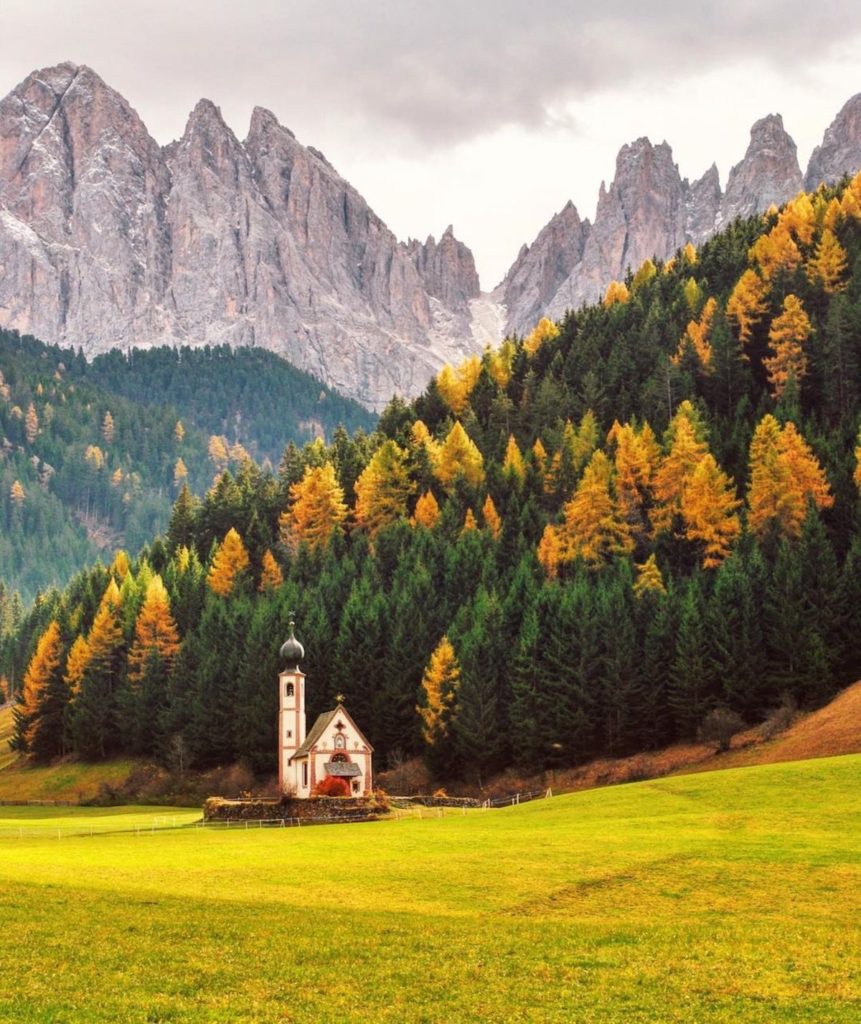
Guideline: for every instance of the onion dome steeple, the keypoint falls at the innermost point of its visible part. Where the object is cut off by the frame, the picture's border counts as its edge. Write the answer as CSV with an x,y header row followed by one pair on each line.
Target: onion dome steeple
x,y
292,652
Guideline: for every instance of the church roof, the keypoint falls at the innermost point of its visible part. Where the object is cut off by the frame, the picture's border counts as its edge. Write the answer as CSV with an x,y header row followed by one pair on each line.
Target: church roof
x,y
342,769
321,725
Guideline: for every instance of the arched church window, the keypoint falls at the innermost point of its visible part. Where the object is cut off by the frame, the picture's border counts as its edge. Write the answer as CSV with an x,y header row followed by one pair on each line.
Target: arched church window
x,y
339,758
288,692
340,742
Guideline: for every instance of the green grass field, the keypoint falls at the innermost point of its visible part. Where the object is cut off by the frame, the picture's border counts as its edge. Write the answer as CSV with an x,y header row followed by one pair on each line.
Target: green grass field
x,y
732,897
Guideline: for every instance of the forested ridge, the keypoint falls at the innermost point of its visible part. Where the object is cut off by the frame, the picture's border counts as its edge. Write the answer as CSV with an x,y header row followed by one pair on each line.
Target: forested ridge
x,y
582,543
92,453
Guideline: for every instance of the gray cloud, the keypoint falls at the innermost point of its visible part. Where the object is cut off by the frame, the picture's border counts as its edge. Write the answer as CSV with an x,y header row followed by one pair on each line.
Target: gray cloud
x,y
415,72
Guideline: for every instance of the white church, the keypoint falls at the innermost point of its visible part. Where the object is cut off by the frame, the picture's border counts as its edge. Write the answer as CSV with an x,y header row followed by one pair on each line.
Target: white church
x,y
335,746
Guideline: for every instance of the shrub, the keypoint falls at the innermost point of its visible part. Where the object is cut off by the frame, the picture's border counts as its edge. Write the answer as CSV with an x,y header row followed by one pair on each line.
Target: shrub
x,y
719,726
780,719
332,786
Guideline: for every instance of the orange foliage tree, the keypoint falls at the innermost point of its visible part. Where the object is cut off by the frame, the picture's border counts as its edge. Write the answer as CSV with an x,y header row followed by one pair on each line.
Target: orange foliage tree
x,y
459,457
594,526
228,562
784,477
156,636
789,331
316,511
747,303
709,509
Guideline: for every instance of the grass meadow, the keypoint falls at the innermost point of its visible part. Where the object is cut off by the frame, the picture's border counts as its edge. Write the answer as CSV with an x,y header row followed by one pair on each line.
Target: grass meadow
x,y
728,897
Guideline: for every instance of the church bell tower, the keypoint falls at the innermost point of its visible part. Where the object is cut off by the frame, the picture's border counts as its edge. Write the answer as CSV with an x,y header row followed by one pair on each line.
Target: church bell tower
x,y
291,713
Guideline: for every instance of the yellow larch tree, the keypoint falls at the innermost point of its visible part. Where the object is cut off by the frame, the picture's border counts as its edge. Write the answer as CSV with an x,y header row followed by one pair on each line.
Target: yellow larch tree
x,y
440,683
747,303
798,217
456,385
512,464
427,511
594,526
180,474
31,423
636,457
383,489
17,494
316,511
459,457
219,452
784,477
491,517
856,476
228,562
156,636
500,362
108,428
693,294
539,456
420,437
689,253
789,331
179,432
469,522
271,576
687,443
775,252
33,716
827,266
696,337
646,272
545,330
76,664
550,551
617,292
649,578
709,509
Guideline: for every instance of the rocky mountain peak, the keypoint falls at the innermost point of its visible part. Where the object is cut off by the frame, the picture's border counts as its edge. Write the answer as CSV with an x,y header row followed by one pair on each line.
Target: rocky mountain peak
x,y
108,239
768,173
840,150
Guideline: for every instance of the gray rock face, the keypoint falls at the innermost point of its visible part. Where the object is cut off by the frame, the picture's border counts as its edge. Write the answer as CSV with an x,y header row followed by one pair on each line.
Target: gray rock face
x,y
107,239
703,207
648,211
542,268
769,172
840,152
642,213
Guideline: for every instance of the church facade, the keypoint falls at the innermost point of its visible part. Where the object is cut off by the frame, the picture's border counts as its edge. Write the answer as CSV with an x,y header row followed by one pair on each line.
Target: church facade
x,y
334,747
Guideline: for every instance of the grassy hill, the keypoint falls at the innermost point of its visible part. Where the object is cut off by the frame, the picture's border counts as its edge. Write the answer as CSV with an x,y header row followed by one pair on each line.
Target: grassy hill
x,y
716,898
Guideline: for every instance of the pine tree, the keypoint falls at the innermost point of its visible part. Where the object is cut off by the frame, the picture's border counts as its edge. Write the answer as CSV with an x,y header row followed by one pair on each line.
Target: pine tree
x,y
690,677
228,564
94,714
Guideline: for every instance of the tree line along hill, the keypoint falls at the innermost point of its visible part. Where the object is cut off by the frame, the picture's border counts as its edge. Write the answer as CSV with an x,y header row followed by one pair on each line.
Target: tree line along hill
x,y
586,542
92,454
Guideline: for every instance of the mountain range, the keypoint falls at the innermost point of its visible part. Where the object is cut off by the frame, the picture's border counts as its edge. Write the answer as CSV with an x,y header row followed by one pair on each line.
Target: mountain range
x,y
109,240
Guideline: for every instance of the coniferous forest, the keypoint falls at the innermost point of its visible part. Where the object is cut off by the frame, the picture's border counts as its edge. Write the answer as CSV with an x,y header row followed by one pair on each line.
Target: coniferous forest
x,y
582,543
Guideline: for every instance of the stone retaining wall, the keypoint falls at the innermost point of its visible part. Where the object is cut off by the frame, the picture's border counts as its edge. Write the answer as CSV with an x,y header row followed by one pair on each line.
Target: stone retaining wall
x,y
217,808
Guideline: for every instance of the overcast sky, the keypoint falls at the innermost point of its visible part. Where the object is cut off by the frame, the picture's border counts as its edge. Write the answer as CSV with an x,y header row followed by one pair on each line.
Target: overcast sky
x,y
488,114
